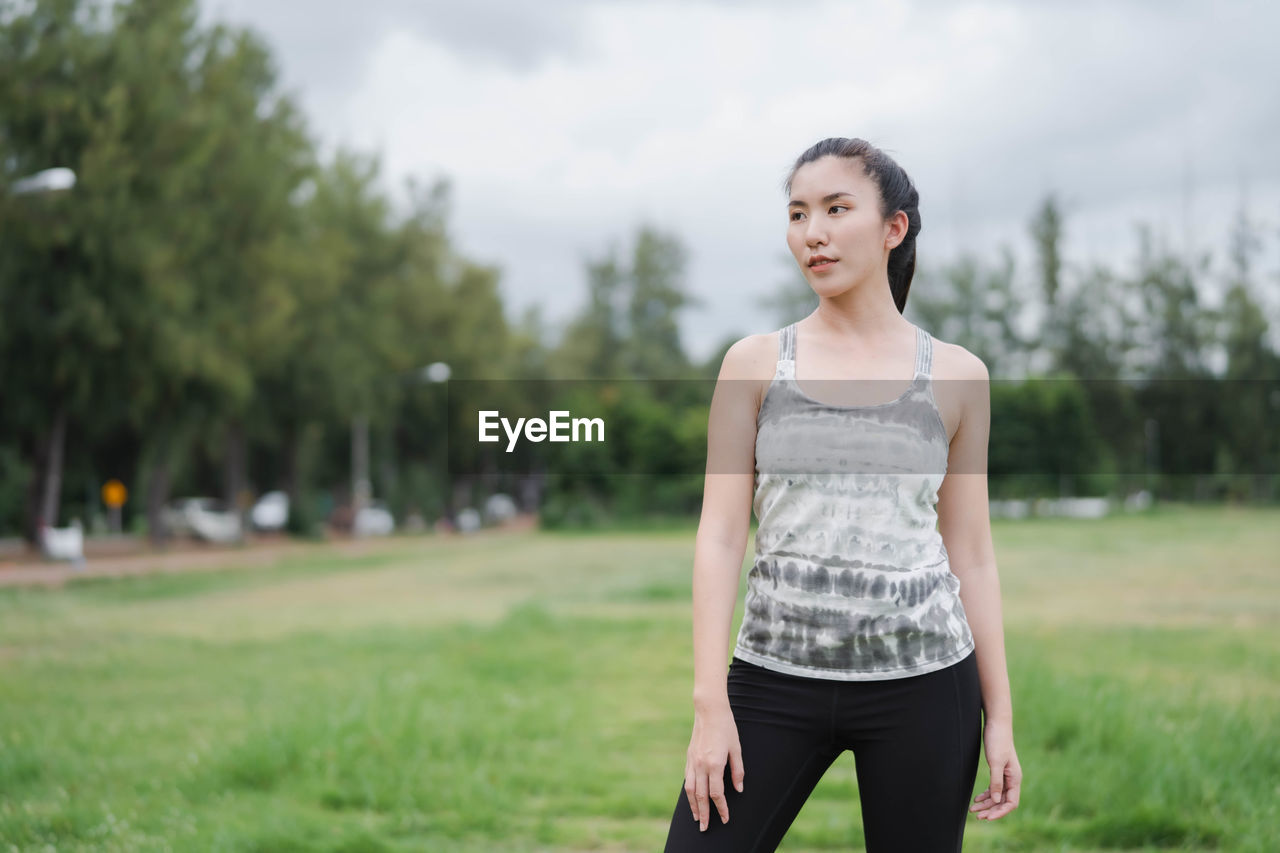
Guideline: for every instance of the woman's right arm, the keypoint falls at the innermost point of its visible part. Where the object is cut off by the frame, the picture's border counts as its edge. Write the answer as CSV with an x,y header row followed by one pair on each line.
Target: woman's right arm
x,y
717,569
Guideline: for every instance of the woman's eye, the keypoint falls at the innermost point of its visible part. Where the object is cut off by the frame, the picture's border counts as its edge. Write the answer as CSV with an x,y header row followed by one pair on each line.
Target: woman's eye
x,y
798,213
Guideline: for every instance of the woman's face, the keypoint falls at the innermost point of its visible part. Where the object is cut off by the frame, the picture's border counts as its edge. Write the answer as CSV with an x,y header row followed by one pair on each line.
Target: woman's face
x,y
834,210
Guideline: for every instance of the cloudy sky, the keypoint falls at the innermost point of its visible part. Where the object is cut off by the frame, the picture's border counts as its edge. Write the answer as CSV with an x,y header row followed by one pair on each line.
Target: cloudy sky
x,y
564,124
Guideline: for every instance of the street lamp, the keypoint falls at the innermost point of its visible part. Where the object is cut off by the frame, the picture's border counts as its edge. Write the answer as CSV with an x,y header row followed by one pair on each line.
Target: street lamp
x,y
43,182
46,181
361,485
435,372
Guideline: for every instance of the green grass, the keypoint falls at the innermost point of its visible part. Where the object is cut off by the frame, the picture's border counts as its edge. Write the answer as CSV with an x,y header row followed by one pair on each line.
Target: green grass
x,y
532,693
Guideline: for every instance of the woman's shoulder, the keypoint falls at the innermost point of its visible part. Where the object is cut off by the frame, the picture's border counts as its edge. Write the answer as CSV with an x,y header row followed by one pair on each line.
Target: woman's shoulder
x,y
952,361
751,357
957,400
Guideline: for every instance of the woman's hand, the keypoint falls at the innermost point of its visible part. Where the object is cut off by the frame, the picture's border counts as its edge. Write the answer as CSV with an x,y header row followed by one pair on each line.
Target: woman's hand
x,y
715,739
1001,796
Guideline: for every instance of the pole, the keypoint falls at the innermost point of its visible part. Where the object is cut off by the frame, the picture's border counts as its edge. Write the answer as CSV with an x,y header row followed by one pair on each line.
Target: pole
x,y
53,471
361,488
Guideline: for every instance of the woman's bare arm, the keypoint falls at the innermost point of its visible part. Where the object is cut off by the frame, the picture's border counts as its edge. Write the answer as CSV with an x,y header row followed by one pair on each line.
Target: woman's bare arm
x,y
965,524
964,520
726,513
717,568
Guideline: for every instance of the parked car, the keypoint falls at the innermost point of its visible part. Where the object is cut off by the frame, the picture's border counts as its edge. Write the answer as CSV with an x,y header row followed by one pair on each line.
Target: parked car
x,y
203,518
499,508
64,543
468,520
373,520
271,512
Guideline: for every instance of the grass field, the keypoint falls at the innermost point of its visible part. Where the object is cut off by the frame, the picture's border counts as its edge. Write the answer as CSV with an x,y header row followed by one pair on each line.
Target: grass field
x,y
532,692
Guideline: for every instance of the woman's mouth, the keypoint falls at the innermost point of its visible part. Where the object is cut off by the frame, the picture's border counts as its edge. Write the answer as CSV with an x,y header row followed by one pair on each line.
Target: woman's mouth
x,y
822,265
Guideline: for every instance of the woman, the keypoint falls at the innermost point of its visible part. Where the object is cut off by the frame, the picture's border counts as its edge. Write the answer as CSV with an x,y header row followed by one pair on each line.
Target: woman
x,y
872,620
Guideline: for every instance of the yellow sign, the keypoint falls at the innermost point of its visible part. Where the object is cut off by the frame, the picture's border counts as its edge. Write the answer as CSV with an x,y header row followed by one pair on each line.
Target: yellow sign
x,y
114,493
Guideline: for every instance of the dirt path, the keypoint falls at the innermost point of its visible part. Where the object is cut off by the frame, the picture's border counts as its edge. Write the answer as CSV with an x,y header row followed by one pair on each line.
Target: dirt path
x,y
190,556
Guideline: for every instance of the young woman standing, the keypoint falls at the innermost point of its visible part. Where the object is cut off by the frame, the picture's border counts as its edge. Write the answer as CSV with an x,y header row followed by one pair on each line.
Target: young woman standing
x,y
872,620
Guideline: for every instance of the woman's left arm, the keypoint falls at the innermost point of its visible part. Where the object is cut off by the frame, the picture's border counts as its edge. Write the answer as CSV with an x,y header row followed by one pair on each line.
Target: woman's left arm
x,y
965,524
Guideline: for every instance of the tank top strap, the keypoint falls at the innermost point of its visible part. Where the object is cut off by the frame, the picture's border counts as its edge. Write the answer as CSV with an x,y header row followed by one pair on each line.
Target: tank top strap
x,y
787,351
924,352
787,343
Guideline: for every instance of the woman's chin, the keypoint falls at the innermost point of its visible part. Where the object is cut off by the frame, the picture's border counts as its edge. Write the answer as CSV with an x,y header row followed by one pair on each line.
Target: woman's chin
x,y
830,288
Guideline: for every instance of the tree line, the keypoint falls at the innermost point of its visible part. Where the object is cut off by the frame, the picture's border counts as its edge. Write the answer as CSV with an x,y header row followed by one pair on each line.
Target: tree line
x,y
1105,380
214,302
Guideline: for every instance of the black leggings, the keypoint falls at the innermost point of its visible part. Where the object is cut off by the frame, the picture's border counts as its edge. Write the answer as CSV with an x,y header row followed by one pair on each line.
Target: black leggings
x,y
915,743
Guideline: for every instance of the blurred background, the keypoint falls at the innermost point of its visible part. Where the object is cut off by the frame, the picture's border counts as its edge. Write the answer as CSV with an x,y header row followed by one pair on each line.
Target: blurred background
x,y
242,246
245,247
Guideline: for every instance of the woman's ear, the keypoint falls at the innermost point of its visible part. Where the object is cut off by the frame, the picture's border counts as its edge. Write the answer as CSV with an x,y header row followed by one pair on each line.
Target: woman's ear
x,y
897,230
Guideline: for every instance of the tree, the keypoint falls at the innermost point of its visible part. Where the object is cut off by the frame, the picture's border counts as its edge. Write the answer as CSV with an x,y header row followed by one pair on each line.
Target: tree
x,y
1179,328
117,318
1046,234
974,305
657,294
629,327
792,299
592,342
1095,326
1252,366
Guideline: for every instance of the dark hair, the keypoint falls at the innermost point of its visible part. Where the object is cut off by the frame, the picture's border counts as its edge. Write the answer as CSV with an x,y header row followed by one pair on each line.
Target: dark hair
x,y
897,192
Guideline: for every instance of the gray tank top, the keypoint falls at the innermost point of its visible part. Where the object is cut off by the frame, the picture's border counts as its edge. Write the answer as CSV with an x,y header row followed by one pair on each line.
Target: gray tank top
x,y
851,579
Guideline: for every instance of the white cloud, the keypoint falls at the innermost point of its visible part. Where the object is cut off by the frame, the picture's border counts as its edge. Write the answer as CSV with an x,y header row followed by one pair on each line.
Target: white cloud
x,y
564,127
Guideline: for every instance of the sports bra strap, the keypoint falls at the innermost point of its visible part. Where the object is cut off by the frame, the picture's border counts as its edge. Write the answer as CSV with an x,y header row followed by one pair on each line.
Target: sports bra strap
x,y
787,343
924,352
787,350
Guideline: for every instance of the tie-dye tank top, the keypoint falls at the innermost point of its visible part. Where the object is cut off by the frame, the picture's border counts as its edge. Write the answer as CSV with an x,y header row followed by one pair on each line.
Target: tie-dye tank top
x,y
851,579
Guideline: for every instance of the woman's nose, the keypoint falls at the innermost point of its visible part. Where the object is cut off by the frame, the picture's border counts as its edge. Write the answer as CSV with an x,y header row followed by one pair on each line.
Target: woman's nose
x,y
815,234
